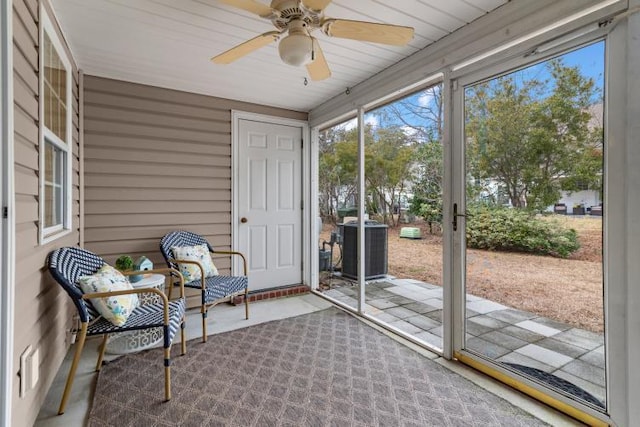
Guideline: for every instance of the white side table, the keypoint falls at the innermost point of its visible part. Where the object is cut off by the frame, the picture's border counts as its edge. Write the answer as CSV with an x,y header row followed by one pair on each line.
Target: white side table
x,y
133,341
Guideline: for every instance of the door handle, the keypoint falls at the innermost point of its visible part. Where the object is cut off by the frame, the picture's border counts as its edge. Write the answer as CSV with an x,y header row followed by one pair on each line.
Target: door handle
x,y
243,220
455,217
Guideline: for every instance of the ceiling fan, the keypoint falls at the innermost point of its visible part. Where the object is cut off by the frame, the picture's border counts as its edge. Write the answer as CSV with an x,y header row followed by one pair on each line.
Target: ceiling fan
x,y
295,20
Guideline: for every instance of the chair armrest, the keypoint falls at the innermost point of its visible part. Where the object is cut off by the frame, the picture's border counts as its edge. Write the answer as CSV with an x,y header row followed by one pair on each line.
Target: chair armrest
x,y
164,299
244,259
92,295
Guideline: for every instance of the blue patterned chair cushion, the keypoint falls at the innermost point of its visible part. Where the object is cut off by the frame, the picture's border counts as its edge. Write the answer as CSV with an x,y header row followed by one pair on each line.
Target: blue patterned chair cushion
x,y
218,287
143,317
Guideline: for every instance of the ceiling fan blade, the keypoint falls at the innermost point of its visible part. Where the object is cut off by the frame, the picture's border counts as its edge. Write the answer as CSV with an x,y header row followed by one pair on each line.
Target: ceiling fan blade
x,y
317,5
368,31
318,69
250,6
246,48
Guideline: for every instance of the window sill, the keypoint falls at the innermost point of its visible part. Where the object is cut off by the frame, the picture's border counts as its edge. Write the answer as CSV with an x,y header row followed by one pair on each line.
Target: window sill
x,y
54,235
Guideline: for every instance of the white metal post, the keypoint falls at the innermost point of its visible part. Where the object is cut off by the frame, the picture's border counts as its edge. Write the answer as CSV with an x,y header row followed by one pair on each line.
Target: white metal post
x,y
361,204
314,209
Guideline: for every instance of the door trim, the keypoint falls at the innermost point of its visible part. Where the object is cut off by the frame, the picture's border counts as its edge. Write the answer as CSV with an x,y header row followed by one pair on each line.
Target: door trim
x,y
7,195
236,116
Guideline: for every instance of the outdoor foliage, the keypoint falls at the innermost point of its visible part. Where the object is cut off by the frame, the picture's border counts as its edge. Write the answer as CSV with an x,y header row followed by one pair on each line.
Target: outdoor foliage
x,y
427,186
421,116
533,136
338,163
389,154
516,230
388,160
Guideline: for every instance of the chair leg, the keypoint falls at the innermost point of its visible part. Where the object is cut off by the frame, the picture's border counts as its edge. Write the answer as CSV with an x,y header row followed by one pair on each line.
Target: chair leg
x,y
204,323
74,366
170,287
103,347
167,373
182,337
246,303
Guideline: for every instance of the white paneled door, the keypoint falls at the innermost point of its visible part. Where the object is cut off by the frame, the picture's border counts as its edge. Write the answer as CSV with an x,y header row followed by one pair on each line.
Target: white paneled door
x,y
270,202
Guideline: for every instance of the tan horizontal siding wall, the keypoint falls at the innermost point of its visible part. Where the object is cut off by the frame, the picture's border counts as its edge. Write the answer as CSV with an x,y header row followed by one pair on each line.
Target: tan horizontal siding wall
x,y
157,160
42,309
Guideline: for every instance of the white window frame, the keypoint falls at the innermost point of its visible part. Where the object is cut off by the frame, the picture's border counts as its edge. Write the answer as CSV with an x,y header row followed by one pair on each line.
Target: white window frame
x,y
48,234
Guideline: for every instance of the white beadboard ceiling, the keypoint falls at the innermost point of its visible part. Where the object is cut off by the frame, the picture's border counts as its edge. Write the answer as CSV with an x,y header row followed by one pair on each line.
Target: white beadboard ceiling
x,y
168,43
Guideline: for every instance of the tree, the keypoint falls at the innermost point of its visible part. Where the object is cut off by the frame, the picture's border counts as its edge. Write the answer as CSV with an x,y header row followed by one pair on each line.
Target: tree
x,y
533,136
388,159
421,116
420,112
337,165
427,183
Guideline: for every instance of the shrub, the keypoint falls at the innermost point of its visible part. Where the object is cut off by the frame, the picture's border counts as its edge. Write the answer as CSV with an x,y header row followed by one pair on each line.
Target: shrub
x,y
508,229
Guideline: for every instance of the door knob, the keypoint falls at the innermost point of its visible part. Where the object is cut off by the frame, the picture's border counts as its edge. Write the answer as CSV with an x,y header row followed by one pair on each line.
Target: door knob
x,y
243,220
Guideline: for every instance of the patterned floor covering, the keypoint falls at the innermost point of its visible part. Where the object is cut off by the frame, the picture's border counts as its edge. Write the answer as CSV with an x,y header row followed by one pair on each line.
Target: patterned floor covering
x,y
321,369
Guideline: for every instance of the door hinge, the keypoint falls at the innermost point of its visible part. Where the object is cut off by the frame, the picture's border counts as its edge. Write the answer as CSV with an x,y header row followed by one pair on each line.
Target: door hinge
x,y
5,212
302,143
301,204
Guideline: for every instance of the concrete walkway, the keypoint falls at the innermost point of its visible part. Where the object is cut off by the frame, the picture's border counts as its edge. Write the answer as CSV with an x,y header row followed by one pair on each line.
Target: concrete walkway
x,y
574,357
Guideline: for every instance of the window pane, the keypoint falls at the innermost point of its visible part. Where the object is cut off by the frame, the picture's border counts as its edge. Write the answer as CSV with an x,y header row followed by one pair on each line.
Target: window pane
x,y
54,163
55,83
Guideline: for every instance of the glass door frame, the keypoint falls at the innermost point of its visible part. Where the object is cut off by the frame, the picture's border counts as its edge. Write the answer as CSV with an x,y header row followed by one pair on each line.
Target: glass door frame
x,y
459,81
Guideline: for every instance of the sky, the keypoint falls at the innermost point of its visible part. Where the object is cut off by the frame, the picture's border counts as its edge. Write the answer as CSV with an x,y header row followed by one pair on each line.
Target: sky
x,y
591,61
589,58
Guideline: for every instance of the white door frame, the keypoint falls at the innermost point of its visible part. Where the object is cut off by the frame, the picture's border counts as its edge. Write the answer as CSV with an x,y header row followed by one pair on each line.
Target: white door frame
x,y
7,230
236,116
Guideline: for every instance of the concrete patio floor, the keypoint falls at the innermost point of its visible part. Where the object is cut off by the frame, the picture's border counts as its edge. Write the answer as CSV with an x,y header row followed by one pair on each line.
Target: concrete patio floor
x,y
520,339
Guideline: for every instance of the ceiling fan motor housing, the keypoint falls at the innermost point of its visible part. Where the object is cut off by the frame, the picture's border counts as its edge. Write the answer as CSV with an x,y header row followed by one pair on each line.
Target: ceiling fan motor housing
x,y
287,11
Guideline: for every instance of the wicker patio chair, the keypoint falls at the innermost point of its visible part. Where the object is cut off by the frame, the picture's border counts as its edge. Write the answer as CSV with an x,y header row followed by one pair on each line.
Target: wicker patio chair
x,y
213,289
68,264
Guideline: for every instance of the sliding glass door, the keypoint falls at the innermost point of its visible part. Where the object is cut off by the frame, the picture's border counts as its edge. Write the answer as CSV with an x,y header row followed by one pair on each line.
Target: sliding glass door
x,y
533,209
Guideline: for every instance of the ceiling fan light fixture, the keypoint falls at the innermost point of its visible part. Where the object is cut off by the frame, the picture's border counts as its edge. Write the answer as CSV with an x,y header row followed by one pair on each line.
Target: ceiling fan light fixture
x,y
296,49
